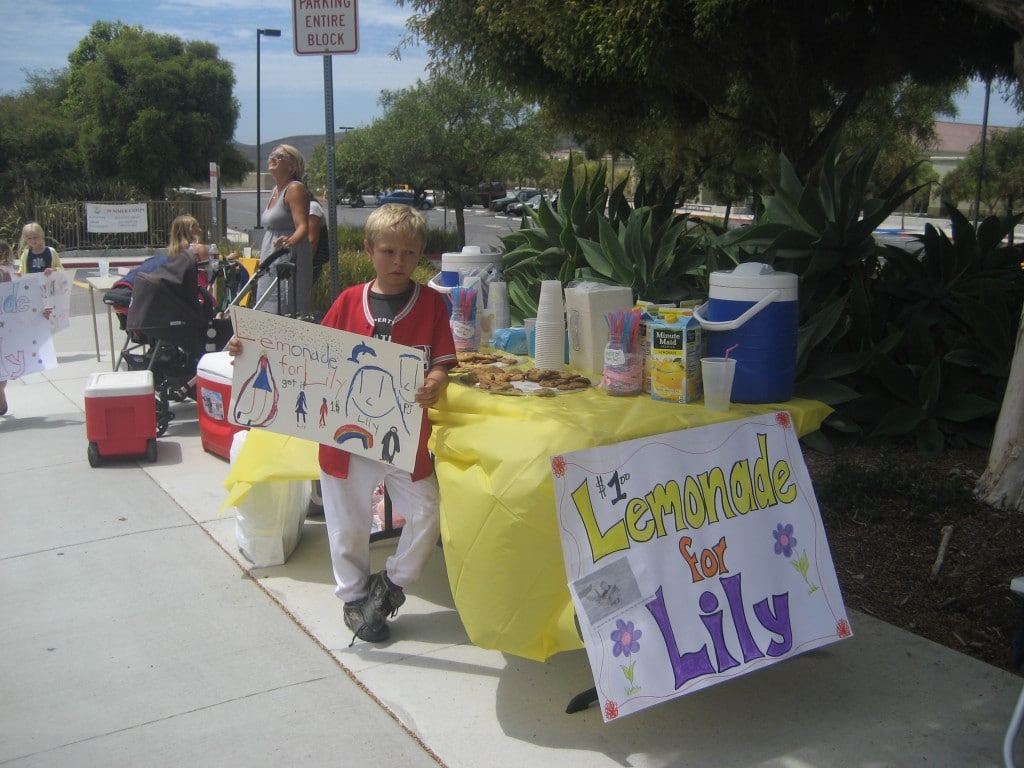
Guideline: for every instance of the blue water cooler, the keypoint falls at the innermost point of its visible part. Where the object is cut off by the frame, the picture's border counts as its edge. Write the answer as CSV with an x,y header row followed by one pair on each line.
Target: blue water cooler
x,y
752,314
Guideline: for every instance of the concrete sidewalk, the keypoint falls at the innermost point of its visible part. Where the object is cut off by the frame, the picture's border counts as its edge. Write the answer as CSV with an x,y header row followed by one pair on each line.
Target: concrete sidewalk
x,y
134,633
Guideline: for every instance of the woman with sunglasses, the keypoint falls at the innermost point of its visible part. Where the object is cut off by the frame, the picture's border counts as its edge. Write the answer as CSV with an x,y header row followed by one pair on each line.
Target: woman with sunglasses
x,y
285,225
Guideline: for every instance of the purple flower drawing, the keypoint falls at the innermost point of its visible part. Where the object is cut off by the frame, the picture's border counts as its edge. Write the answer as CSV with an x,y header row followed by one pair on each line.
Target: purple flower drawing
x,y
784,539
625,638
784,543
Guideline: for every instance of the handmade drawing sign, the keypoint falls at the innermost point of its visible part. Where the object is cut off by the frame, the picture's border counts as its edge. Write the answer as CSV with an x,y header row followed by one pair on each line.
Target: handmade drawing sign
x,y
329,386
694,557
26,341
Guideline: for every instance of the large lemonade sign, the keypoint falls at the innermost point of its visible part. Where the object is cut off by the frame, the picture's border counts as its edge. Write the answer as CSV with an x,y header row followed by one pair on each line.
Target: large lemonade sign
x,y
694,557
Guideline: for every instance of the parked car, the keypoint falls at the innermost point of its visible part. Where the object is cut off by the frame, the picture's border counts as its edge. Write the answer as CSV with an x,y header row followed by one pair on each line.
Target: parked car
x,y
486,193
517,196
516,209
408,197
357,200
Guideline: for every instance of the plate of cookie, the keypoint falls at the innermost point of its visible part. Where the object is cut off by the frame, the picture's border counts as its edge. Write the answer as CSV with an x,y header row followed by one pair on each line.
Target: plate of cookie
x,y
475,361
539,382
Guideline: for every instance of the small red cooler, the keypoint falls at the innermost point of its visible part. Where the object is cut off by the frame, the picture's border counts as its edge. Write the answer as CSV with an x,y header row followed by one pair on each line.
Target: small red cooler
x,y
120,415
213,391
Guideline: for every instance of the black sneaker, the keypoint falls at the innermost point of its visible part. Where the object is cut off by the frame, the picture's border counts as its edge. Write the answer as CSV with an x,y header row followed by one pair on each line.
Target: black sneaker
x,y
360,618
384,596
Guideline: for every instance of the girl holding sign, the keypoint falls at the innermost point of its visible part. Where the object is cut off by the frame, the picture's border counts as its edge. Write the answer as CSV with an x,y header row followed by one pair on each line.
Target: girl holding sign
x,y
36,255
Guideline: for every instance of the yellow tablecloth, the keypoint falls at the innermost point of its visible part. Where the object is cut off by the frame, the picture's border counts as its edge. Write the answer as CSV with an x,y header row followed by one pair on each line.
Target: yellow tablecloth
x,y
498,515
498,518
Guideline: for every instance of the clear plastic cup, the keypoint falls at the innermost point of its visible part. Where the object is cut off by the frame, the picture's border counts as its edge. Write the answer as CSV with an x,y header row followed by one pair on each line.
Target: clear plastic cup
x,y
718,373
530,324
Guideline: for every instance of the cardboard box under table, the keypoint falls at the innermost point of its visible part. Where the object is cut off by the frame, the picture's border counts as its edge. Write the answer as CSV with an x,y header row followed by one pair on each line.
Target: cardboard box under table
x,y
213,393
120,415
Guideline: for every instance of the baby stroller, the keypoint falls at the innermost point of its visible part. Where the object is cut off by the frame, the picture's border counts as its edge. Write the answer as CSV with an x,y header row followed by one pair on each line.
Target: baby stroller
x,y
170,324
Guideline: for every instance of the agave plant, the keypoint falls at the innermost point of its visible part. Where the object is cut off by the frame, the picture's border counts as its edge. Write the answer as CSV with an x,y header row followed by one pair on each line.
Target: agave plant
x,y
649,254
546,247
823,232
589,234
950,313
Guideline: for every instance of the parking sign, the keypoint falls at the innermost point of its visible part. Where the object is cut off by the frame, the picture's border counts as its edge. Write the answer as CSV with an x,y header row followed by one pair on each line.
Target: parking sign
x,y
325,27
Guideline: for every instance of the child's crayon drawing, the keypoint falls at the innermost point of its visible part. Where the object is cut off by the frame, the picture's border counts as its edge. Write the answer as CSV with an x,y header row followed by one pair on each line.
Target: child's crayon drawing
x,y
365,387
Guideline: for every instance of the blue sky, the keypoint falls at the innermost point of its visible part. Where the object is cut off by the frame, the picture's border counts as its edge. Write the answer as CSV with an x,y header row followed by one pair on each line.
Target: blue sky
x,y
40,34
971,106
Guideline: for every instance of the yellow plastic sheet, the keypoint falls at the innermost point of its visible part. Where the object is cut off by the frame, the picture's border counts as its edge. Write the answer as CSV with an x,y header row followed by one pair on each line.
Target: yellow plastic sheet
x,y
498,518
498,515
267,456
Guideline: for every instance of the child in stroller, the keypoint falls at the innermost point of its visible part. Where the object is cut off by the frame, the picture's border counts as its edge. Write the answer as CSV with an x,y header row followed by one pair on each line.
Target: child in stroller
x,y
170,321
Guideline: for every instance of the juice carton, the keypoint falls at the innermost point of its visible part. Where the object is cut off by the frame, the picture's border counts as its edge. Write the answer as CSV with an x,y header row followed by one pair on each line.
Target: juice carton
x,y
650,312
676,344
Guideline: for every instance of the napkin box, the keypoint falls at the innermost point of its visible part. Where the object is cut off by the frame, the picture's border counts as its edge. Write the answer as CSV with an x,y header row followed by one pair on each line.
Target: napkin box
x,y
585,307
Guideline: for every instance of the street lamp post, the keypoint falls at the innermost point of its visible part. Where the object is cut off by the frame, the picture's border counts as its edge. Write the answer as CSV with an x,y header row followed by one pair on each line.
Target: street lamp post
x,y
259,152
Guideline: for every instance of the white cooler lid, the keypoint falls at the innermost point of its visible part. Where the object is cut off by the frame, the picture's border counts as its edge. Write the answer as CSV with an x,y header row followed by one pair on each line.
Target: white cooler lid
x,y
469,258
751,281
119,384
215,366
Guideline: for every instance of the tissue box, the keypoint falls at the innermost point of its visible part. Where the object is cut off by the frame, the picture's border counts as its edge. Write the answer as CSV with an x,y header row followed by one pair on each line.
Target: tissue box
x,y
673,348
585,307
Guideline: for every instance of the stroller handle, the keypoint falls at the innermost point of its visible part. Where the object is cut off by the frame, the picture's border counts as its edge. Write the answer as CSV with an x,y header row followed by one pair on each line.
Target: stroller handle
x,y
265,264
263,268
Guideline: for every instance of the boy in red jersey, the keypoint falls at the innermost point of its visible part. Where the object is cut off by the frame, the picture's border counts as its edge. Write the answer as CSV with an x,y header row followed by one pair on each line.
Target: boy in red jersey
x,y
395,308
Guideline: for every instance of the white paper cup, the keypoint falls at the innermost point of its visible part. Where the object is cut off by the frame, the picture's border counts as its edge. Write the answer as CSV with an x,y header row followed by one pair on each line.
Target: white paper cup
x,y
550,305
718,373
549,345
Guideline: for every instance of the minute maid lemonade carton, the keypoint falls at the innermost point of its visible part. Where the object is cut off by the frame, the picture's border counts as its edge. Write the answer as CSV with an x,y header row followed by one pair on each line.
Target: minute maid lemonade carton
x,y
674,347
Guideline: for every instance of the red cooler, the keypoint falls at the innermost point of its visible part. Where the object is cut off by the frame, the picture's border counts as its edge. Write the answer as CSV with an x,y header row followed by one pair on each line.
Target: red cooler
x,y
213,391
120,415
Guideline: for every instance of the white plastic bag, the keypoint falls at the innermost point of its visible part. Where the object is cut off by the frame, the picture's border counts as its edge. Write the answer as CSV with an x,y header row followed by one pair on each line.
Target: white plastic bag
x,y
268,521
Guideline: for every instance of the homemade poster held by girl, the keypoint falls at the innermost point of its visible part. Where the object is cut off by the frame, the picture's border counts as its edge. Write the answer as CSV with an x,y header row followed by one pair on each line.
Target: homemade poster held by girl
x,y
326,385
26,334
694,557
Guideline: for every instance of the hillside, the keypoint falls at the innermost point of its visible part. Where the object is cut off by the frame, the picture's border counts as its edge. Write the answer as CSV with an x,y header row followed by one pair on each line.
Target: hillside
x,y
305,144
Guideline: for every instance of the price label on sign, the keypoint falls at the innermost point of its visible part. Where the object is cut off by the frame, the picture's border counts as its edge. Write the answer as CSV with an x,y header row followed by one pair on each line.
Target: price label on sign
x,y
325,27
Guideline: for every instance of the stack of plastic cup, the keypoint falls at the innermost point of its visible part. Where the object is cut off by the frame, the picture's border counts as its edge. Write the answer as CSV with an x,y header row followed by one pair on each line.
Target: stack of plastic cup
x,y
497,303
549,344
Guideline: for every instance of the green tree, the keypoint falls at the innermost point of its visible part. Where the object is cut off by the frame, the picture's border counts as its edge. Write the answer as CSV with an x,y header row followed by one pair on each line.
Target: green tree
x,y
782,74
449,134
1002,185
151,108
38,142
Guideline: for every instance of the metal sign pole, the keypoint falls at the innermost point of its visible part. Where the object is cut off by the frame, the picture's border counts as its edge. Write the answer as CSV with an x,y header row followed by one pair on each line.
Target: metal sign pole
x,y
327,33
214,201
332,197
